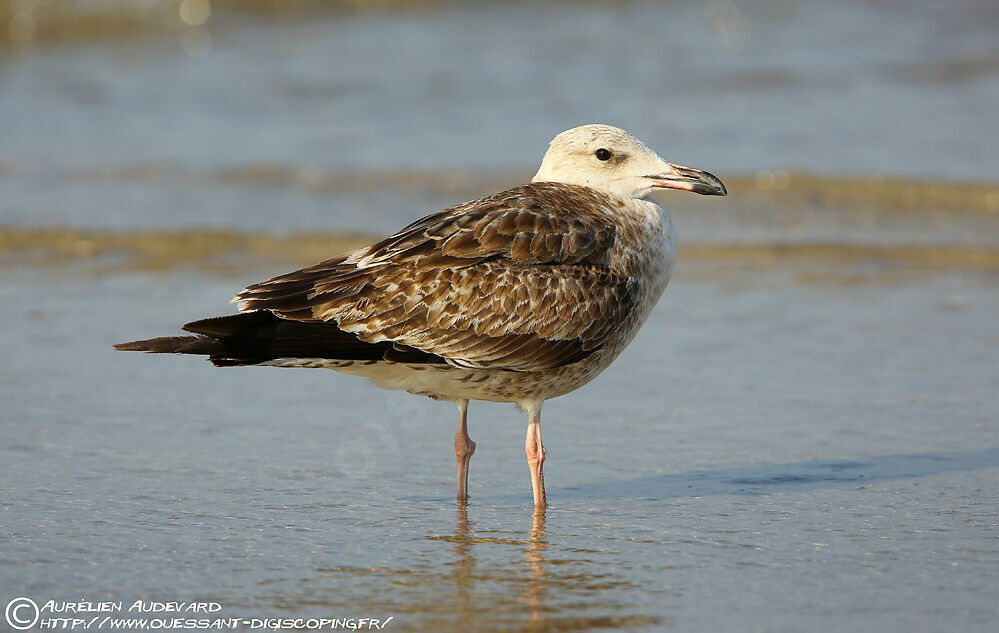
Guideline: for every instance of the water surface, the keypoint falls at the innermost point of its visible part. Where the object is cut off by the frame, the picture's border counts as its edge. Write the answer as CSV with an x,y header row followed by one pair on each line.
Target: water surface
x,y
803,437
778,449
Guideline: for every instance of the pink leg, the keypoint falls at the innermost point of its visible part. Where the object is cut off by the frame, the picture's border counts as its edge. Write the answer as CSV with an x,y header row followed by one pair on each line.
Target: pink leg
x,y
536,455
464,448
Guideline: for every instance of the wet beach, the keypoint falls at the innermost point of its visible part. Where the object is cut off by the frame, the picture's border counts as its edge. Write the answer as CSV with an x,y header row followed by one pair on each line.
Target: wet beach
x,y
803,437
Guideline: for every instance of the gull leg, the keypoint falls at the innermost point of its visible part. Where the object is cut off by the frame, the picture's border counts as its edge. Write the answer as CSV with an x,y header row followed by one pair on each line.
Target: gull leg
x,y
536,454
464,448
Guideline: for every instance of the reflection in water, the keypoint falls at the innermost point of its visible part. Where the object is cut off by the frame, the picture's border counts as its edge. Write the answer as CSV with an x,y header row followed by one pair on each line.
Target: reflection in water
x,y
464,567
531,592
535,590
476,578
534,594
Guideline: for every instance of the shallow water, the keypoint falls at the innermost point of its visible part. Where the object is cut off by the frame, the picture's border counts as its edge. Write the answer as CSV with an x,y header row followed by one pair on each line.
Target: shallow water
x,y
803,437
775,452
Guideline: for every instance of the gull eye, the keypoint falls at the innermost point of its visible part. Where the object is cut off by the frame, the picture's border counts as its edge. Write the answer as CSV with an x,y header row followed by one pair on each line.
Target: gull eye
x,y
602,154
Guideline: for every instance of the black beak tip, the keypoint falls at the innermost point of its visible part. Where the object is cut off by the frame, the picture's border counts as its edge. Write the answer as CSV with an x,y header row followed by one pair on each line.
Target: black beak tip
x,y
710,185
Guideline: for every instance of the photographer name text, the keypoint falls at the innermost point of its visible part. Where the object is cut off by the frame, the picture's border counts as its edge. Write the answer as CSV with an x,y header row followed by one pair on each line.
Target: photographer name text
x,y
139,606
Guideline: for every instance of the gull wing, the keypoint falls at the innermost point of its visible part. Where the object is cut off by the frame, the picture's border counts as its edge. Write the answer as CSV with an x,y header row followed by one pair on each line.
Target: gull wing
x,y
521,280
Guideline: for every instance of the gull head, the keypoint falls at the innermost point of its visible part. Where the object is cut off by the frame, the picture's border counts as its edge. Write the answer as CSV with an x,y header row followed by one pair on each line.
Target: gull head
x,y
611,160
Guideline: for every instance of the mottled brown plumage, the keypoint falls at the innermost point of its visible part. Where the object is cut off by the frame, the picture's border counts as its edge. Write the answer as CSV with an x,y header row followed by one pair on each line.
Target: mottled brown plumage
x,y
521,280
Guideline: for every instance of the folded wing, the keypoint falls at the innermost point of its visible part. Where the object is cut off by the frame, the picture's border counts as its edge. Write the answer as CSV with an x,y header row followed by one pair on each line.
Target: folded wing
x,y
521,280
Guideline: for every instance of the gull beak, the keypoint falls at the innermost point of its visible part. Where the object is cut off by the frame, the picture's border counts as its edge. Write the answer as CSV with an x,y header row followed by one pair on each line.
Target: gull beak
x,y
688,179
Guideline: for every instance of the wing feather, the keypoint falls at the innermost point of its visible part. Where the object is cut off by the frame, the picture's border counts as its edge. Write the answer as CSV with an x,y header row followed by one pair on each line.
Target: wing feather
x,y
520,280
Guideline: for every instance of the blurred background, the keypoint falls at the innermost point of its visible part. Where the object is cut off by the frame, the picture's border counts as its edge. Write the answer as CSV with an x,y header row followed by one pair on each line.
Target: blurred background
x,y
359,116
811,436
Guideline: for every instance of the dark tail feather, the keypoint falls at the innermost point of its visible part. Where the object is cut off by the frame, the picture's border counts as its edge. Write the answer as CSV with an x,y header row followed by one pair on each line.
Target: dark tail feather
x,y
173,345
251,338
240,324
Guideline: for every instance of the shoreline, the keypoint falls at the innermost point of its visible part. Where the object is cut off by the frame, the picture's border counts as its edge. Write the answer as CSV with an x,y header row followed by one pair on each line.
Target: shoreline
x,y
112,252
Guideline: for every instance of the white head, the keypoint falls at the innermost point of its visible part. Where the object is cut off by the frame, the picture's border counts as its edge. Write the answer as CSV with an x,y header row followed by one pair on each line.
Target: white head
x,y
609,159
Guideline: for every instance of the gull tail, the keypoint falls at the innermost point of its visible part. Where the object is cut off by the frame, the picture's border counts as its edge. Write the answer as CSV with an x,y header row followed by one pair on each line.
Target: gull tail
x,y
240,339
253,338
200,345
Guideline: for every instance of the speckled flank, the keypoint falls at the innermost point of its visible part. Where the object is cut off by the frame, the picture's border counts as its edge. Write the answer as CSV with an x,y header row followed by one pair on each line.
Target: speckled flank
x,y
565,296
644,258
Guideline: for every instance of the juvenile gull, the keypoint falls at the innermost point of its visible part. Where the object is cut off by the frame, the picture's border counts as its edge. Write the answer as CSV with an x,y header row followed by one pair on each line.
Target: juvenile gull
x,y
519,297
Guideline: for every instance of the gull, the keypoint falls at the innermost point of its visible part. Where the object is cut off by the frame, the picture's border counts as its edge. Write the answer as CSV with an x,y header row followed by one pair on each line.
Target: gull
x,y
519,297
